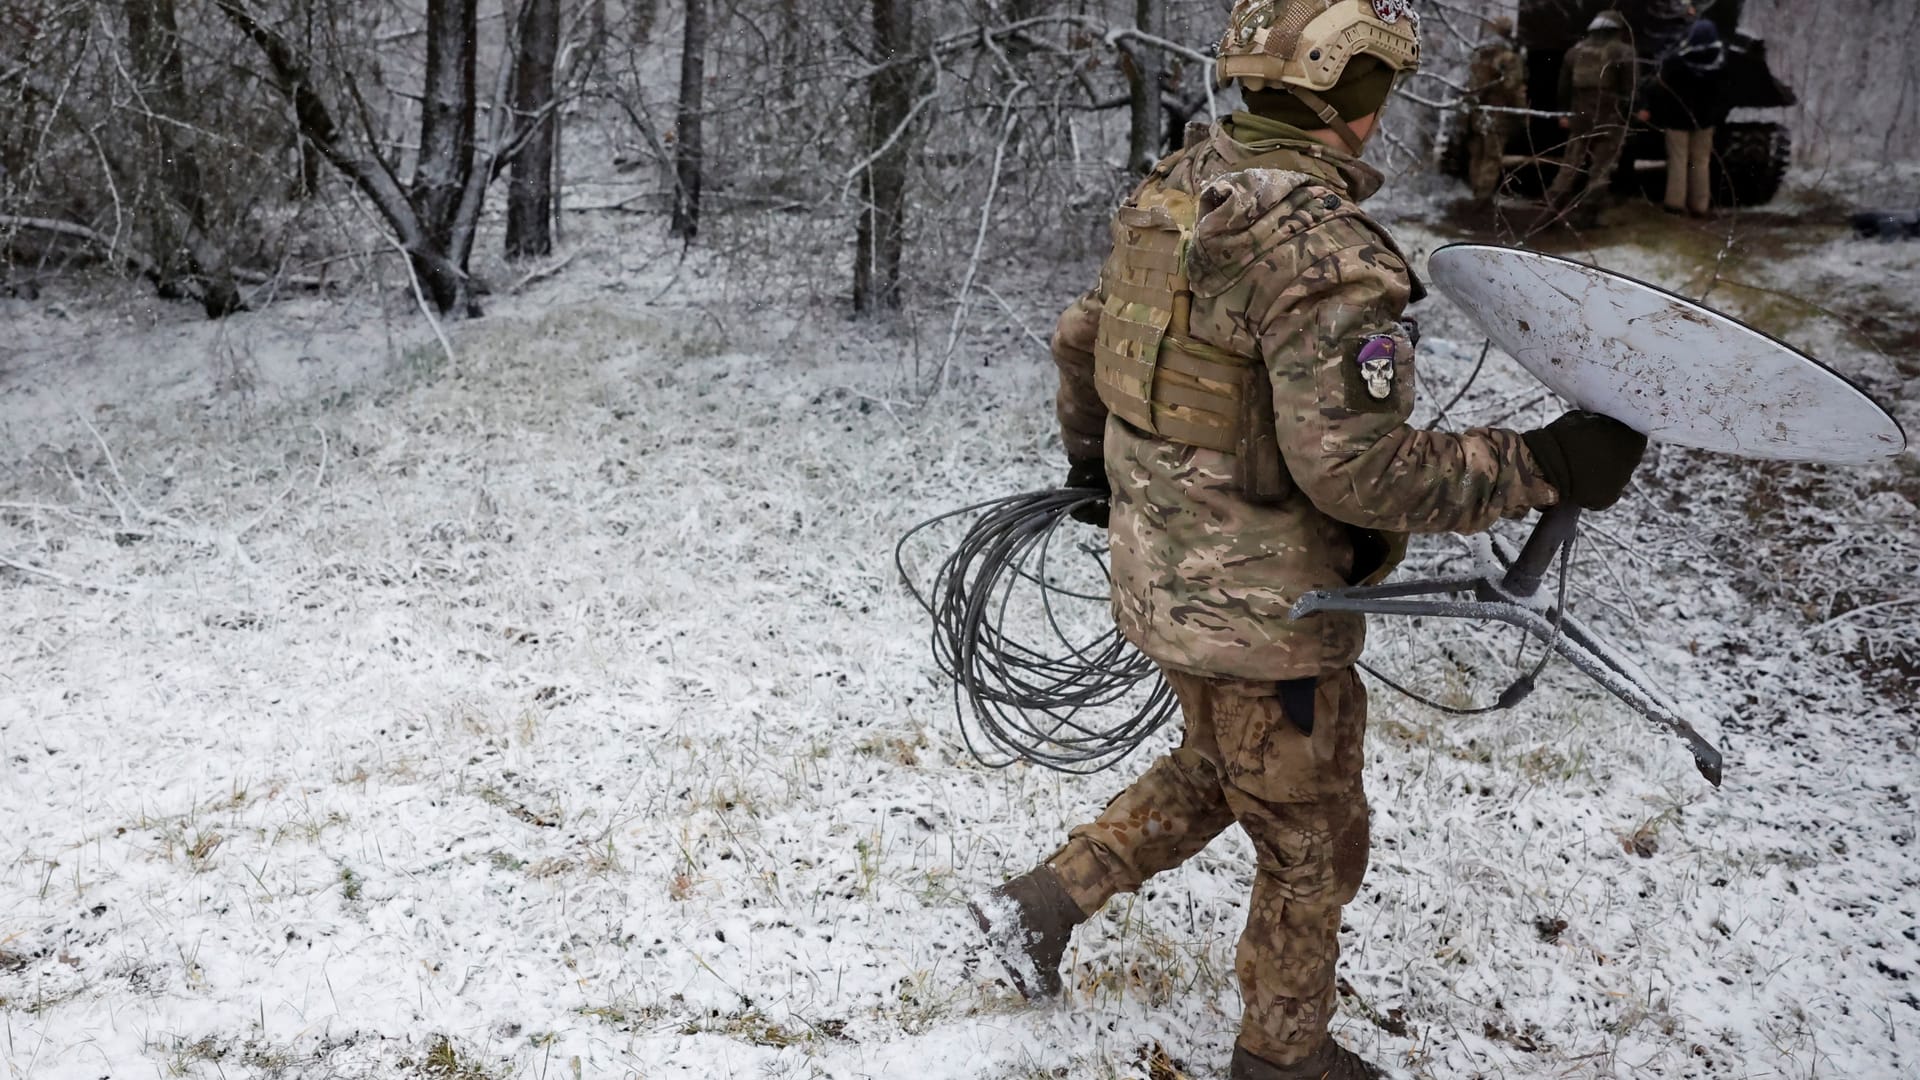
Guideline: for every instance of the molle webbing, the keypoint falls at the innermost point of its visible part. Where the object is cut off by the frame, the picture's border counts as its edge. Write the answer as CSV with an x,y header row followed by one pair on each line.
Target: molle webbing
x,y
1148,370
1283,39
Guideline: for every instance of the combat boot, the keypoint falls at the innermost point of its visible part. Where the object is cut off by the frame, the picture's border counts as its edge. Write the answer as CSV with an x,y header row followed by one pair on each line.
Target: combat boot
x,y
1331,1062
1028,922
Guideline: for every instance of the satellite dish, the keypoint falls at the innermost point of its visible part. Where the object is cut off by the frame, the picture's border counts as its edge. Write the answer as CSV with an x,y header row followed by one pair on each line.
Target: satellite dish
x,y
1677,372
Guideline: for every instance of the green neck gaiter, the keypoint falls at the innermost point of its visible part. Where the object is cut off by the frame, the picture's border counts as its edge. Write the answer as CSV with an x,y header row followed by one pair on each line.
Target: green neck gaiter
x,y
1253,129
1362,89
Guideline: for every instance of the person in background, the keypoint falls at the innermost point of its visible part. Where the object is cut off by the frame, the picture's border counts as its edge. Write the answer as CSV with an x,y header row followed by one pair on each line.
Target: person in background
x,y
1596,87
1688,102
1498,80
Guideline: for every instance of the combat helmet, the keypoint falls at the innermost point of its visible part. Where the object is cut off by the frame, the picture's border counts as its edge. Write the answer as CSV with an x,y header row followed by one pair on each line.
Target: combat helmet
x,y
1607,20
1304,46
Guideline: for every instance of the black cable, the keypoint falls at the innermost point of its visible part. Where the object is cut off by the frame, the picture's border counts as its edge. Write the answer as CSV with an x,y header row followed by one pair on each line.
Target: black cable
x,y
1028,701
1045,701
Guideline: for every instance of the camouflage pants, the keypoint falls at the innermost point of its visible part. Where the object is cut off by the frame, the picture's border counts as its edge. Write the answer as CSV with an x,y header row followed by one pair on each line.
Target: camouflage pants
x,y
1593,149
1489,144
1300,800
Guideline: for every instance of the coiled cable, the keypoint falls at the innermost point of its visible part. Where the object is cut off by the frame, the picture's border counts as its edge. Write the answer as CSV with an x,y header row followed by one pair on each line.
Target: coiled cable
x,y
1045,697
1024,688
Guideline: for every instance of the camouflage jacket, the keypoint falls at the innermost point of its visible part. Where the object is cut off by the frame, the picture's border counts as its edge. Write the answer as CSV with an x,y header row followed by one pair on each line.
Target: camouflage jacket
x,y
1598,77
1497,75
1285,267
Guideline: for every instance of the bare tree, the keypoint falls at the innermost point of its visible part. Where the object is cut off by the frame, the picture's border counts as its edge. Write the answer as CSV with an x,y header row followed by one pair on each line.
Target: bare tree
x,y
311,164
1144,68
443,276
881,233
688,167
530,192
446,118
433,218
951,122
188,249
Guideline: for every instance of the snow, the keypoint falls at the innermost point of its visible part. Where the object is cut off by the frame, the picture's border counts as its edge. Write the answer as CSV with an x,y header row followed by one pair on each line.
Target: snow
x,y
1007,937
554,709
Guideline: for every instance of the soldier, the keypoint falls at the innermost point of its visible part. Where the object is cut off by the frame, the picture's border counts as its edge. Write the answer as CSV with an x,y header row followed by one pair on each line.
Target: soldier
x,y
1498,80
1241,380
1596,86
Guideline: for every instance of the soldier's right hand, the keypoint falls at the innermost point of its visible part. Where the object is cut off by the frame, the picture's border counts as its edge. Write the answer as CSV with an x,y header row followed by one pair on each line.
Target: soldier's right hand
x,y
1090,473
1587,457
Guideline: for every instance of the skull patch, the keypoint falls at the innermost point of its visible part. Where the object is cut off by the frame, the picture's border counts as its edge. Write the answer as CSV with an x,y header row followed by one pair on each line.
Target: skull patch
x,y
1376,366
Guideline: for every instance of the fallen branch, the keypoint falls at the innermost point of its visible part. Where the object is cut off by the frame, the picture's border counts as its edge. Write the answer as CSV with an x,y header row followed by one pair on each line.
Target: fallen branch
x,y
1851,613
58,579
92,238
544,272
1046,347
145,266
1462,103
278,280
419,294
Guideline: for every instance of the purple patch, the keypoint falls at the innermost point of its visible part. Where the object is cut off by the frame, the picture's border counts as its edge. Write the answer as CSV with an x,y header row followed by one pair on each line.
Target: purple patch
x,y
1376,348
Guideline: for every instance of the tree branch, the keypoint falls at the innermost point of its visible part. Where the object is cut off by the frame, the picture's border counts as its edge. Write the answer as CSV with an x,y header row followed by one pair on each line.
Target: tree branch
x,y
92,238
317,126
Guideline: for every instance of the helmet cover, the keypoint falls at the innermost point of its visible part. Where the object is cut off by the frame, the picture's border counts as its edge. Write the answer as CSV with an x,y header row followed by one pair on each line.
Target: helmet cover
x,y
1308,43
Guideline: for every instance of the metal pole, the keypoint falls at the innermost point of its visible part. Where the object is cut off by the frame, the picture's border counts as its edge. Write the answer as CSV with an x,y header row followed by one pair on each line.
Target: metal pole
x,y
1556,528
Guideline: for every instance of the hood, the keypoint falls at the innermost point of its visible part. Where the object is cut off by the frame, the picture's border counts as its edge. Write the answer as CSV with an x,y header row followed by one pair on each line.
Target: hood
x,y
1243,138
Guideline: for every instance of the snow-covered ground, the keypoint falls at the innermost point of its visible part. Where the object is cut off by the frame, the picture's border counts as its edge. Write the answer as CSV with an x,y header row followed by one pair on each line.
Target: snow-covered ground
x,y
554,709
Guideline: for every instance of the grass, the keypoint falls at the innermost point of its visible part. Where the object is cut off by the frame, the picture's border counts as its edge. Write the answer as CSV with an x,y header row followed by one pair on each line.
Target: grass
x,y
444,1060
200,850
494,796
755,1027
632,1018
184,1056
767,815
897,749
748,1025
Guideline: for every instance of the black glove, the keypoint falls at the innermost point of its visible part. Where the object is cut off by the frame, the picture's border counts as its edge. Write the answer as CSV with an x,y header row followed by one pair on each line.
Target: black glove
x,y
1089,473
1587,457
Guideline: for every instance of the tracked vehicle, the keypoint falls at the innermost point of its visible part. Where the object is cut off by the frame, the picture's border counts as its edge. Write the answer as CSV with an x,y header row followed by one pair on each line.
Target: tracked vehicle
x,y
1750,156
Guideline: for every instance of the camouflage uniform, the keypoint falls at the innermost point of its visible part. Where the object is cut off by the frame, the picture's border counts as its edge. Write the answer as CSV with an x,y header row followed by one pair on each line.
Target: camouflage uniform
x,y
1596,85
1285,267
1499,80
